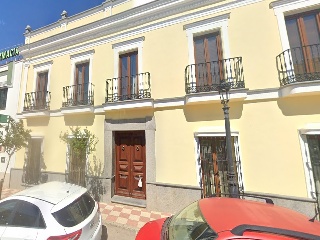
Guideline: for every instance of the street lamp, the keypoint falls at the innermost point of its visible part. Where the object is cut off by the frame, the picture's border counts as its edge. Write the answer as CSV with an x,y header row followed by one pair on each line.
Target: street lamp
x,y
224,91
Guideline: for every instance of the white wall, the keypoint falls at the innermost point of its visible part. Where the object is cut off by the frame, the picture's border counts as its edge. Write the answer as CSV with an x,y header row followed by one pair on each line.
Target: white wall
x,y
12,107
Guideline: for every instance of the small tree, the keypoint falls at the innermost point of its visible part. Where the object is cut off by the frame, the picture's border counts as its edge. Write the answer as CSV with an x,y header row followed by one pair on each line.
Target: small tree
x,y
14,138
81,143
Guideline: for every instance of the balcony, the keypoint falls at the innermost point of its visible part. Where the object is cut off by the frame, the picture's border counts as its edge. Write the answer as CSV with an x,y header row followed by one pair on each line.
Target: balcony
x,y
299,70
299,64
202,80
37,101
128,92
78,95
128,88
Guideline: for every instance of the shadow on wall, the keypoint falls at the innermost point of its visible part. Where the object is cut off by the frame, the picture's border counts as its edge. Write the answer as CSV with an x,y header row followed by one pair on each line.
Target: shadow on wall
x,y
212,111
79,119
42,121
94,179
300,105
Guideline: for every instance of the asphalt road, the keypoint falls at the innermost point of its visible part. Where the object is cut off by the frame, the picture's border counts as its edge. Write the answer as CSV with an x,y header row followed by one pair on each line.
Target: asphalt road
x,y
114,232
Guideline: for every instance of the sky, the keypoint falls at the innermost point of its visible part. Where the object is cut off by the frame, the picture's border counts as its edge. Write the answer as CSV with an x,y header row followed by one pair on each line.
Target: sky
x,y
17,14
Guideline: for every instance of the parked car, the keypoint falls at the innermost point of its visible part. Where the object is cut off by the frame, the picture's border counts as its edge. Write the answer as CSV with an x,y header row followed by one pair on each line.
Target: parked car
x,y
231,218
50,211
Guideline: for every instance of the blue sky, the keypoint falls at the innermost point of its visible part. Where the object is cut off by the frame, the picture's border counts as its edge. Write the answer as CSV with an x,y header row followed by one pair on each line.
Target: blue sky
x,y
17,14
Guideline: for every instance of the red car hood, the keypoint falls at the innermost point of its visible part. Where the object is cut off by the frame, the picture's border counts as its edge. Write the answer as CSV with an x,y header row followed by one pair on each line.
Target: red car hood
x,y
151,230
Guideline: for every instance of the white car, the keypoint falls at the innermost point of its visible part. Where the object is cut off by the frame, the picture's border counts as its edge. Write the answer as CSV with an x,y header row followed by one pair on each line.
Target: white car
x,y
50,211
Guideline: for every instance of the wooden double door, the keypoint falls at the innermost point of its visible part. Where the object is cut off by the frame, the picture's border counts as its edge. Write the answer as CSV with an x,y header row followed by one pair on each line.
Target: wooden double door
x,y
130,172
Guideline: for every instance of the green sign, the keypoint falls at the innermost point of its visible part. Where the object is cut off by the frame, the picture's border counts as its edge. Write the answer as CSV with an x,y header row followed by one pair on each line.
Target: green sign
x,y
9,53
3,118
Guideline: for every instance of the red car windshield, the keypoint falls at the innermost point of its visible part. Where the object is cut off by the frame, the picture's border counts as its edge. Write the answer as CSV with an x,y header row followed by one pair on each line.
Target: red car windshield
x,y
190,224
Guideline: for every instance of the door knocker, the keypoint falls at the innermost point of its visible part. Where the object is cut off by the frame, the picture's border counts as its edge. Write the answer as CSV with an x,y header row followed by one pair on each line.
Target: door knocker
x,y
137,148
122,148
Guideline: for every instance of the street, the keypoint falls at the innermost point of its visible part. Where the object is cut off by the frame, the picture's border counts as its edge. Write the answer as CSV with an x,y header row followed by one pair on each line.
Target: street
x,y
114,232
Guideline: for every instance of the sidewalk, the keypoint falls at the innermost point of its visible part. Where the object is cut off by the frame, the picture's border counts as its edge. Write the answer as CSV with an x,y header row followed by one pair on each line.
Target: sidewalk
x,y
117,214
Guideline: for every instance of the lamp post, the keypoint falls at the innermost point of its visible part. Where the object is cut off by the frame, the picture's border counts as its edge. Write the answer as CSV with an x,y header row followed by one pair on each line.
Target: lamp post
x,y
224,91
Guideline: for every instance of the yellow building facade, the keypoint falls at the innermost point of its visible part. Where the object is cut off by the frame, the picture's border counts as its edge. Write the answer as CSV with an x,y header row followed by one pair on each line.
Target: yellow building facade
x,y
144,77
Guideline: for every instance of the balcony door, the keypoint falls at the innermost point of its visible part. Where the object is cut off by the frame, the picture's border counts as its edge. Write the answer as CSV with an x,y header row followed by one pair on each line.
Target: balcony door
x,y
81,84
128,72
304,39
41,90
208,56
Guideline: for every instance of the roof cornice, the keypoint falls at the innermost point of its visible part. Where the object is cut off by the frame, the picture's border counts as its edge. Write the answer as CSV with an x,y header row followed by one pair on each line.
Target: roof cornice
x,y
128,19
75,17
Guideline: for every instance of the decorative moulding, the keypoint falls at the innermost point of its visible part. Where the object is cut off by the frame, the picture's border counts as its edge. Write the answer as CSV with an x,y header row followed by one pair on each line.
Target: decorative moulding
x,y
130,19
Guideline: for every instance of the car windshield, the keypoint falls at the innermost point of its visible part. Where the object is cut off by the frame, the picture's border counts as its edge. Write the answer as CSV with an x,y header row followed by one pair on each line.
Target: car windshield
x,y
190,224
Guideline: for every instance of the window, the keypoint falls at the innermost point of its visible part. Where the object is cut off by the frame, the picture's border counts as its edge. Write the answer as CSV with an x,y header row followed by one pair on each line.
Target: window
x,y
208,63
28,215
81,83
304,39
128,70
6,209
214,165
41,90
3,98
76,212
129,81
81,89
208,56
314,152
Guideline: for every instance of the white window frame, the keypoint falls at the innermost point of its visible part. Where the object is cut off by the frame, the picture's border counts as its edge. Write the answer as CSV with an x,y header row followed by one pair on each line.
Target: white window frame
x,y
40,68
210,25
126,47
311,189
218,132
78,59
285,8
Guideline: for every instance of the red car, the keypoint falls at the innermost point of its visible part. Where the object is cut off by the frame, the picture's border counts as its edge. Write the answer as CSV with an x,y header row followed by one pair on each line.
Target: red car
x,y
231,218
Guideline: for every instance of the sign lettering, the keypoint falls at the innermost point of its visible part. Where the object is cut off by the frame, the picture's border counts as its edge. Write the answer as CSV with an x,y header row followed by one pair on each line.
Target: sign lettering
x,y
9,53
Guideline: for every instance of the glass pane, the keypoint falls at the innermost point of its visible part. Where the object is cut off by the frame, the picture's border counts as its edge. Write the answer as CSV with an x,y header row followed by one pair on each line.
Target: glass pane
x,y
86,73
293,33
200,70
295,45
79,70
212,48
312,32
27,215
42,81
6,209
124,75
76,212
214,66
314,151
199,50
133,70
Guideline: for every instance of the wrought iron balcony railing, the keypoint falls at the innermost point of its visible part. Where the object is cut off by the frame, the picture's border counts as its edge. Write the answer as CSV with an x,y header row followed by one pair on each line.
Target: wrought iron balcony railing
x,y
37,101
299,64
206,77
77,95
128,87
